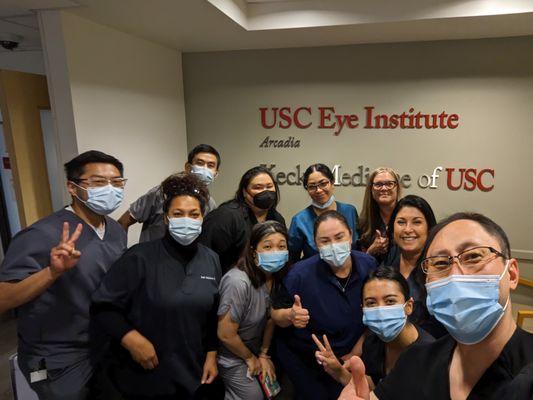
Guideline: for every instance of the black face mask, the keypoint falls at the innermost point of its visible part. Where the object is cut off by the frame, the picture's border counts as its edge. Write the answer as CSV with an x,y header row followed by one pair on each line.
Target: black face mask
x,y
265,199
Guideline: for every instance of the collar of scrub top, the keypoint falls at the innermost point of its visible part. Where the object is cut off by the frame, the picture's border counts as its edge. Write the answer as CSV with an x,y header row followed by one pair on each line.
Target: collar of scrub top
x,y
325,272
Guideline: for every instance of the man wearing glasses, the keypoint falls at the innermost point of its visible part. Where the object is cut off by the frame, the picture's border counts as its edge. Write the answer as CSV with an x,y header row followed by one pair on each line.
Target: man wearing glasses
x,y
469,277
51,270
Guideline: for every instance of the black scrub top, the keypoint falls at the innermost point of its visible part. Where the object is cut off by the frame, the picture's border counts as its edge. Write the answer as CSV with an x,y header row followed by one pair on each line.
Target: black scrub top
x,y
169,293
422,372
56,326
374,353
417,290
227,229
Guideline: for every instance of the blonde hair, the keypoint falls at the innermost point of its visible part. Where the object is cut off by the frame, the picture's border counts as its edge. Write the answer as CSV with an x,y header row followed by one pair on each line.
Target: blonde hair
x,y
369,217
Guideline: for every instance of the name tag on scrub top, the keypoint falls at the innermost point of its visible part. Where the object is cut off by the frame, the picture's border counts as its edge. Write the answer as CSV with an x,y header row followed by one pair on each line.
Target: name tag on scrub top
x,y
37,376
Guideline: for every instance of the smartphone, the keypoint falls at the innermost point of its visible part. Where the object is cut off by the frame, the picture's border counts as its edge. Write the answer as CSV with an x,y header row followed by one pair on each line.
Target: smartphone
x,y
270,388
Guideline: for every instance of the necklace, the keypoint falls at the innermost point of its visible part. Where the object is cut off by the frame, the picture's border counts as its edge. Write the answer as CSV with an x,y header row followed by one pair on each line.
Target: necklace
x,y
343,287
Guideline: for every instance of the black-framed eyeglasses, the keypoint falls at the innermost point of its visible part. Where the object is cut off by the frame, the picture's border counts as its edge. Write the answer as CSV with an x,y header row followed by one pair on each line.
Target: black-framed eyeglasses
x,y
101,182
473,259
320,185
384,184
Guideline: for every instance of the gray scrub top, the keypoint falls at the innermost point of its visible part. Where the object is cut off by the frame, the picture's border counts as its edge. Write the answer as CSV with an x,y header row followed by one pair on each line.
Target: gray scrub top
x,y
148,209
56,325
249,307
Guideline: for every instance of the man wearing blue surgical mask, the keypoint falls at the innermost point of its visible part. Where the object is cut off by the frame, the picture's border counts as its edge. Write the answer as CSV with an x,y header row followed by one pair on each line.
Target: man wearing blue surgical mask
x,y
51,270
202,161
469,278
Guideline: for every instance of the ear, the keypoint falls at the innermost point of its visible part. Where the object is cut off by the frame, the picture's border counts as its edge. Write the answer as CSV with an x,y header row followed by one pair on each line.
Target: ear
x,y
514,273
71,187
409,306
187,167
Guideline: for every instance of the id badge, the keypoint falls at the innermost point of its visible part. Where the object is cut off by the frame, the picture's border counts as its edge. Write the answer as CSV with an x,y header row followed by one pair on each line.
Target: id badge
x,y
37,376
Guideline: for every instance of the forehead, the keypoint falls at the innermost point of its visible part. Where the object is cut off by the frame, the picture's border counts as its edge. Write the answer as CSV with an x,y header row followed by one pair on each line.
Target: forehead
x,y
384,176
316,176
460,235
207,157
184,203
260,179
381,287
330,226
273,238
100,169
409,212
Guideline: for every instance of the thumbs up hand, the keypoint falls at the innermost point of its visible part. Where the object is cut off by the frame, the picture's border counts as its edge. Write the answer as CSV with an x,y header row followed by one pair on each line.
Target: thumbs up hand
x,y
299,316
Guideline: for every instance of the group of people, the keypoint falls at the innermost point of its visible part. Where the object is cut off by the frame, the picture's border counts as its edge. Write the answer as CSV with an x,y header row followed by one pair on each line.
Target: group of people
x,y
222,302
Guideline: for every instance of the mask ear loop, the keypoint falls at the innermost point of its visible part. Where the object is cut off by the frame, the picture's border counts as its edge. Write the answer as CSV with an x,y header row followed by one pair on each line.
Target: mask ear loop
x,y
506,269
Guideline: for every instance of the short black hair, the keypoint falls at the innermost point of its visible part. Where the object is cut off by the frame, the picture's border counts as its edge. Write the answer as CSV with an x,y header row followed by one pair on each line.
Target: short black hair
x,y
491,227
322,168
385,272
182,184
203,148
330,214
76,167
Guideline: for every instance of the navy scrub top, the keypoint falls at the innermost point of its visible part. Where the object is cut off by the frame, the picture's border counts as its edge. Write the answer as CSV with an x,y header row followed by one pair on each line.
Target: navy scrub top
x,y
301,232
56,326
334,311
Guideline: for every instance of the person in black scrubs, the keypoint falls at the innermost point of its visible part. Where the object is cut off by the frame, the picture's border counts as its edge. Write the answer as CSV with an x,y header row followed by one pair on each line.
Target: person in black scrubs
x,y
227,229
159,304
410,223
328,287
470,275
386,306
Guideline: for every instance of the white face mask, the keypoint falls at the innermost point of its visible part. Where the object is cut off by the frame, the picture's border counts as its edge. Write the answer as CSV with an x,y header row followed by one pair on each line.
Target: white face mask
x,y
335,254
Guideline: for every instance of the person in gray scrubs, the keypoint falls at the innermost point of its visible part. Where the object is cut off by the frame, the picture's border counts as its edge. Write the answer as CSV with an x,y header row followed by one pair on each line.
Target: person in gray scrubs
x,y
51,270
202,161
244,326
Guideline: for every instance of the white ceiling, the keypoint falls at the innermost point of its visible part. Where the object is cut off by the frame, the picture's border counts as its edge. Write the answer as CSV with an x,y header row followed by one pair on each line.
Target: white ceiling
x,y
211,25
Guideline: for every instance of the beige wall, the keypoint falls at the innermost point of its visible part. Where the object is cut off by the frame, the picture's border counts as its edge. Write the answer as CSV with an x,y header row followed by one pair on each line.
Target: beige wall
x,y
127,98
489,83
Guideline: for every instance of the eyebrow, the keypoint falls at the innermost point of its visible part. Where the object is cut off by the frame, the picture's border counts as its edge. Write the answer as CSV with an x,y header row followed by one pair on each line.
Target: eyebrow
x,y
462,246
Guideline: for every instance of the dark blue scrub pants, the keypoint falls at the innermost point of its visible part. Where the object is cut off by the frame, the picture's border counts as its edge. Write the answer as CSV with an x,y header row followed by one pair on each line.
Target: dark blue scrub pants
x,y
310,380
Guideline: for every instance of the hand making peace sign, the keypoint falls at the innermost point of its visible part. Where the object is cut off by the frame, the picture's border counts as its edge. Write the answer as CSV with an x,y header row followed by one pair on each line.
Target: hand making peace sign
x,y
65,256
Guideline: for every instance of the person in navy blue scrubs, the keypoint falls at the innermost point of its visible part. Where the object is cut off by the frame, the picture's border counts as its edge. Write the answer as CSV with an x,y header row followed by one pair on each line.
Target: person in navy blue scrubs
x,y
322,296
318,181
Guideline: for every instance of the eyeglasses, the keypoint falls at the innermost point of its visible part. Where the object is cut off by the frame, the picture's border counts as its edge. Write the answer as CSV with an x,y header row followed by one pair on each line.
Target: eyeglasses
x,y
472,259
101,182
384,184
320,185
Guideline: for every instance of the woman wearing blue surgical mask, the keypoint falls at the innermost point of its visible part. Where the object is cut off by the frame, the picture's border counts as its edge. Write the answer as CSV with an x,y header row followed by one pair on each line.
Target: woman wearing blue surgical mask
x,y
159,303
386,308
318,182
244,326
327,289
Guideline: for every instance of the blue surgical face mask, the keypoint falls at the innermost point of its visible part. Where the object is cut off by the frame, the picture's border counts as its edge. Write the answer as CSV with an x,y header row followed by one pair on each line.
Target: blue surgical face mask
x,y
387,321
272,261
205,174
335,254
184,230
467,305
102,200
325,205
